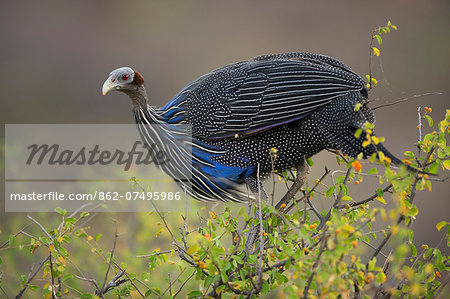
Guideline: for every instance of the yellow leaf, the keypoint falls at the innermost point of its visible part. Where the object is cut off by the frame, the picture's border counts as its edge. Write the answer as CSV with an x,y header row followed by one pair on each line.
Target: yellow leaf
x,y
51,247
376,52
381,199
446,164
60,239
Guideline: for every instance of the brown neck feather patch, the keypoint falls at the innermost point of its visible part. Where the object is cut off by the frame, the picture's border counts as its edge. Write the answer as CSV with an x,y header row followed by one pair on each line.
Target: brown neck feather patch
x,y
138,79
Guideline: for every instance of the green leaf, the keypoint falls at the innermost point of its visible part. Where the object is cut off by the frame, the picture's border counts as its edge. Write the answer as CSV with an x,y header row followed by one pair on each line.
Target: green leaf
x,y
195,294
67,277
379,39
329,191
413,250
265,287
380,192
70,220
440,225
12,240
373,171
372,264
380,277
310,162
346,198
1,262
60,211
430,120
97,237
433,168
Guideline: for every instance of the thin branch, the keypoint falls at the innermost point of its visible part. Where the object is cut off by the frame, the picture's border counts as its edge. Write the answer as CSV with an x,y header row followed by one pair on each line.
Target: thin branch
x,y
261,243
358,203
156,253
19,232
51,274
31,276
42,228
310,191
183,284
114,282
336,202
89,280
406,99
316,263
3,291
110,258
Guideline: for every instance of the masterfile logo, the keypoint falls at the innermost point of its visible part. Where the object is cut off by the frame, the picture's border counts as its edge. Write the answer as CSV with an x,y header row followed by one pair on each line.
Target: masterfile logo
x,y
67,166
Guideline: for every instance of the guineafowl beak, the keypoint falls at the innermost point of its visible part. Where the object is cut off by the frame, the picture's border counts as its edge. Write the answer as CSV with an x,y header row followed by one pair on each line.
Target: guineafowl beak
x,y
108,85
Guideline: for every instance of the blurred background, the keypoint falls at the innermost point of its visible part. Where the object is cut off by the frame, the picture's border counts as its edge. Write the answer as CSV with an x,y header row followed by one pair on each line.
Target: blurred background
x,y
56,55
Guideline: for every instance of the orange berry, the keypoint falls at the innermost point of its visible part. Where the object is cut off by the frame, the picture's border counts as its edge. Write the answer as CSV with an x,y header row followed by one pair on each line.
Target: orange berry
x,y
313,226
357,183
438,275
354,244
407,162
357,165
283,206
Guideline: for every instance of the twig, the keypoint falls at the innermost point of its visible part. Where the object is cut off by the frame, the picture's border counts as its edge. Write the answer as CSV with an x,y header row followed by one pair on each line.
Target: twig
x,y
156,253
420,126
111,257
114,282
42,228
31,276
310,191
131,280
336,202
20,232
406,99
442,286
51,274
157,211
261,243
3,291
358,203
316,263
183,284
89,280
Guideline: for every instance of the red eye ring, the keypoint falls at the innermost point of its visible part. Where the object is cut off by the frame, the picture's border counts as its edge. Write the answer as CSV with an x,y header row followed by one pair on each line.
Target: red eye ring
x,y
125,77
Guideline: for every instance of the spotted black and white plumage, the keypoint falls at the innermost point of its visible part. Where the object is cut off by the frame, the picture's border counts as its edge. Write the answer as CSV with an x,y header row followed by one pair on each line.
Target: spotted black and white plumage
x,y
297,103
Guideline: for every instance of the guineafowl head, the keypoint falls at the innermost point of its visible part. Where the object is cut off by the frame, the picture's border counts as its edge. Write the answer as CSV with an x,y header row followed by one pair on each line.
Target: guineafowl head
x,y
128,81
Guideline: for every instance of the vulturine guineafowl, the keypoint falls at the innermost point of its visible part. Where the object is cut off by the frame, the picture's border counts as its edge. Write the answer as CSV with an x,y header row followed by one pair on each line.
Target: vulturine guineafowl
x,y
297,103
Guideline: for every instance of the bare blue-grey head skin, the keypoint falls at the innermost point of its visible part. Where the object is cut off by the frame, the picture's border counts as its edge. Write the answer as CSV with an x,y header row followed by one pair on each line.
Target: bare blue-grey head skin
x,y
128,81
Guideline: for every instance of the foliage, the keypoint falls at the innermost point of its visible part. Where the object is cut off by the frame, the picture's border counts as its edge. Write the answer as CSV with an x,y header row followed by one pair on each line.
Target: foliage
x,y
305,252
